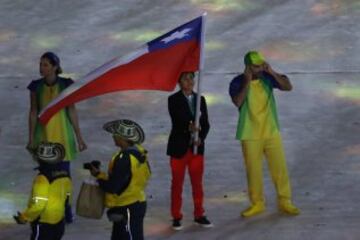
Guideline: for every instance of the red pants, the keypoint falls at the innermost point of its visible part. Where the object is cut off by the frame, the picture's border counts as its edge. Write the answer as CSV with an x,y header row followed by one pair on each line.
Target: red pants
x,y
195,164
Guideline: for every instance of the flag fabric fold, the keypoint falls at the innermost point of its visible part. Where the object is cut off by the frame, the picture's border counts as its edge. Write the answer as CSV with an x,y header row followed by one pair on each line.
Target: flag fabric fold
x,y
156,65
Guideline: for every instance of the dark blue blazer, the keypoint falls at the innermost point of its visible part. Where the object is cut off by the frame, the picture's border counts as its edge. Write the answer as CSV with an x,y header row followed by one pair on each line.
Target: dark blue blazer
x,y
181,115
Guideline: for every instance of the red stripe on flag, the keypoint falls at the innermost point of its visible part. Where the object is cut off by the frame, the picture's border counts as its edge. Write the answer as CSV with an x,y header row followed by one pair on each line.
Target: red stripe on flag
x,y
157,70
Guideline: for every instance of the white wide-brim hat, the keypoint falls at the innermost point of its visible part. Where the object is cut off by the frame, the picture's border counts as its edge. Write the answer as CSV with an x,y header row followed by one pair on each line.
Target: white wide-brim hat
x,y
126,129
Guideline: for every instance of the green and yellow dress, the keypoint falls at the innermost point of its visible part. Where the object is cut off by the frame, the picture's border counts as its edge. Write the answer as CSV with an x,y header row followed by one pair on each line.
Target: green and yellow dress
x,y
59,128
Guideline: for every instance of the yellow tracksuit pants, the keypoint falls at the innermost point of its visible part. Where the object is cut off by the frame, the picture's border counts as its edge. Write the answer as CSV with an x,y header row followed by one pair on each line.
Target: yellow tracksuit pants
x,y
253,152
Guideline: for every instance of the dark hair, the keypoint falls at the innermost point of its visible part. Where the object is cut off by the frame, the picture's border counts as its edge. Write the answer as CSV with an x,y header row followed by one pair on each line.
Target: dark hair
x,y
183,73
54,60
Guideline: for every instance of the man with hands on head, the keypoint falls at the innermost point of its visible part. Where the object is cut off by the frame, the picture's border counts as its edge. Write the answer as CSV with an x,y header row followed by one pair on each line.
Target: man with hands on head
x,y
259,132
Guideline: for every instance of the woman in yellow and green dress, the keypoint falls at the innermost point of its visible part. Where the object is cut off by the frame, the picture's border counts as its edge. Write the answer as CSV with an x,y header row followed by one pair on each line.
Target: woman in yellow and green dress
x,y
63,127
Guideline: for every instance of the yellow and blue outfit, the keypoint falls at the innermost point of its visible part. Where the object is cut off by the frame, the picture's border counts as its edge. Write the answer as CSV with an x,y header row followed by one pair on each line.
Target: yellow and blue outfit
x,y
124,188
51,191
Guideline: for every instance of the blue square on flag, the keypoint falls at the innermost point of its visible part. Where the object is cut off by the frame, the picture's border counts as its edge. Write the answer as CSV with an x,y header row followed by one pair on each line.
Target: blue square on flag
x,y
185,32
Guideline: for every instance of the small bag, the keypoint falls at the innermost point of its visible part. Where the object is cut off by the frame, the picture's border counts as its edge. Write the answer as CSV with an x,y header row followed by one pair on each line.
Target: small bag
x,y
90,202
116,217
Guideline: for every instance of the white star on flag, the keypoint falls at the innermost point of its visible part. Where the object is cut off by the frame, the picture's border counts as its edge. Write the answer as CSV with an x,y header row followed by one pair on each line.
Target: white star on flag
x,y
177,35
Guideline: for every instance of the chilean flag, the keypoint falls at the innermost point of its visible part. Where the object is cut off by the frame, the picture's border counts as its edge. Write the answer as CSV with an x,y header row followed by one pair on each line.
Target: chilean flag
x,y
156,65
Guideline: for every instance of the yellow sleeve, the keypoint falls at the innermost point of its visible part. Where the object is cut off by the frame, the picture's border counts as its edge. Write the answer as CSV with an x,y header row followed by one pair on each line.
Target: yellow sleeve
x,y
38,200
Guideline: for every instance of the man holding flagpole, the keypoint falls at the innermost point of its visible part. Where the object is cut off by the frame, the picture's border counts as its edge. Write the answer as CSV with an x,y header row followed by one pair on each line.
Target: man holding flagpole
x,y
182,105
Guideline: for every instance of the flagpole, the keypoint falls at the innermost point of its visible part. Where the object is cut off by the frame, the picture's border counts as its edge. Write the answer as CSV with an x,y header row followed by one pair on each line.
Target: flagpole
x,y
201,67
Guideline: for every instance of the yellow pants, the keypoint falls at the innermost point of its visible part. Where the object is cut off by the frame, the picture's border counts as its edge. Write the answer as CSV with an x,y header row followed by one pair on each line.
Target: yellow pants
x,y
253,152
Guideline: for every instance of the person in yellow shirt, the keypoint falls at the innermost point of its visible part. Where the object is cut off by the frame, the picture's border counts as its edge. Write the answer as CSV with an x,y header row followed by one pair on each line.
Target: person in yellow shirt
x,y
125,183
259,132
51,191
